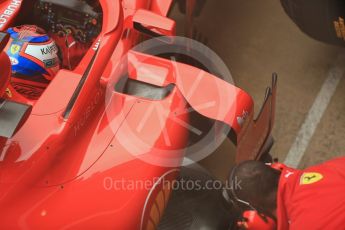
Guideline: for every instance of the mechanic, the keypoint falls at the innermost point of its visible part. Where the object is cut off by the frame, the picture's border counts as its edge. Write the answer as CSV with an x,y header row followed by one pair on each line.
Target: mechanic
x,y
279,197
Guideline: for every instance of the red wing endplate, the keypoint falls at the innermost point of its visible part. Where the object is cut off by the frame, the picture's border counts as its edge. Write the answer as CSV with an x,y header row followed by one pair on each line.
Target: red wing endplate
x,y
213,98
256,139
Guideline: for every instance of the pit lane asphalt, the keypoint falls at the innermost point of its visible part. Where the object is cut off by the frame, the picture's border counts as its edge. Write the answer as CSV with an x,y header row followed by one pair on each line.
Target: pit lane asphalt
x,y
256,38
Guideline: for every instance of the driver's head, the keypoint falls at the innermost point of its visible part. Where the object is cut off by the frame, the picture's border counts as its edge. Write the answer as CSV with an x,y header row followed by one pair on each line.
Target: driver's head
x,y
258,185
33,53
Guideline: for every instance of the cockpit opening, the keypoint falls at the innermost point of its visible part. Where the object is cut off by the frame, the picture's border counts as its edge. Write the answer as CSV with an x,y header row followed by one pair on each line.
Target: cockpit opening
x,y
46,36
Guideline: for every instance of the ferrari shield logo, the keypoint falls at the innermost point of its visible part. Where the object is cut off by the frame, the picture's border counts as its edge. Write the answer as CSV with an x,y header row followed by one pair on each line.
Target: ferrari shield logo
x,y
310,178
15,49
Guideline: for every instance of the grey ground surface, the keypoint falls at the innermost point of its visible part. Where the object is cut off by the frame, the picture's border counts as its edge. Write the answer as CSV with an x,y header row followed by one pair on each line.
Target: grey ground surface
x,y
256,38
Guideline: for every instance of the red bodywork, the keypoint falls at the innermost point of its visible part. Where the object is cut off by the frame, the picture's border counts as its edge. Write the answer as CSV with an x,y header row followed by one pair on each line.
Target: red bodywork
x,y
61,169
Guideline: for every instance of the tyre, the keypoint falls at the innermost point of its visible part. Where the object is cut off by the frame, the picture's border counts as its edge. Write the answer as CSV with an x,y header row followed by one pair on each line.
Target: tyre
x,y
323,20
197,208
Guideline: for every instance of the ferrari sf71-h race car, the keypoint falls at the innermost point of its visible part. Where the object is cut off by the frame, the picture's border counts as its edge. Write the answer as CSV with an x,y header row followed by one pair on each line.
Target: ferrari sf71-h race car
x,y
66,141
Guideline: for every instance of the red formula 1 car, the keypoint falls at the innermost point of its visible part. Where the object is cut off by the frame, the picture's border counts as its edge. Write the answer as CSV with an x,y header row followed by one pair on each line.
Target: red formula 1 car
x,y
67,154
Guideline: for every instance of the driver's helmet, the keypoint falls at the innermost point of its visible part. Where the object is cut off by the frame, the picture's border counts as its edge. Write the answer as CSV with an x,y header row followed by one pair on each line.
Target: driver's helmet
x,y
33,54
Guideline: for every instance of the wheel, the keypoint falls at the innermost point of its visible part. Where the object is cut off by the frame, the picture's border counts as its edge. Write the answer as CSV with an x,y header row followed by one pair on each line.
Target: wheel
x,y
321,19
197,208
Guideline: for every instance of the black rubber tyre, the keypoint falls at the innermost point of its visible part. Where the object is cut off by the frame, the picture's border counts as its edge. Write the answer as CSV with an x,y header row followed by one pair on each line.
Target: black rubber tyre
x,y
195,209
317,18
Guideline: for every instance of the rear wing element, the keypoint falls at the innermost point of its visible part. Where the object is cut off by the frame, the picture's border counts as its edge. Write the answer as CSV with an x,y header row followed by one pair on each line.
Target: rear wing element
x,y
213,98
